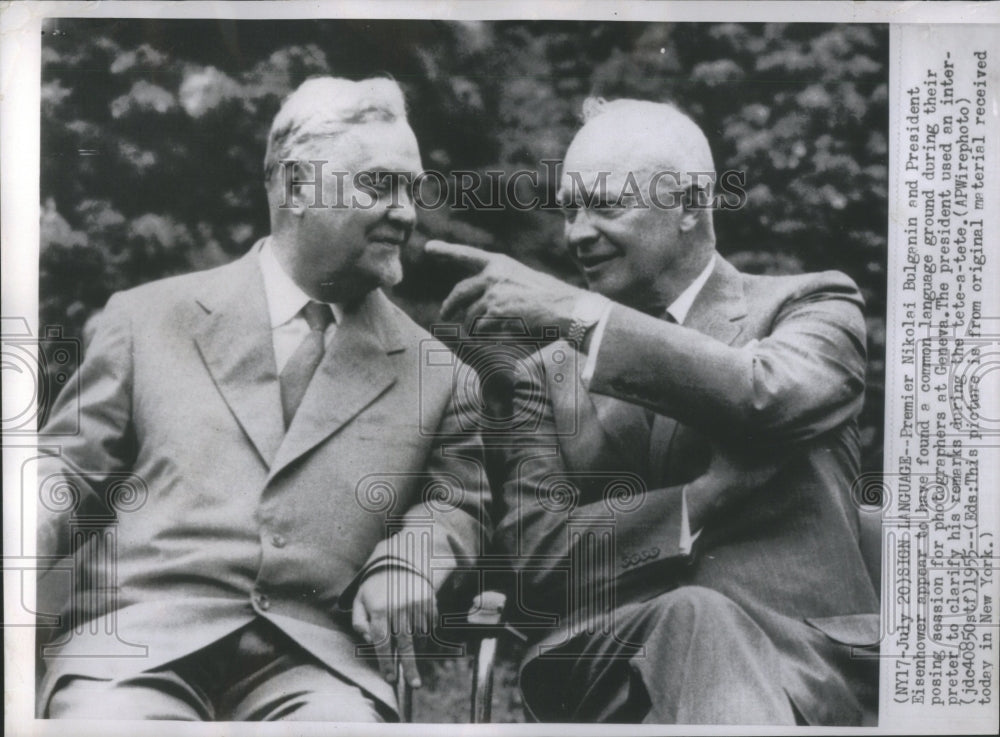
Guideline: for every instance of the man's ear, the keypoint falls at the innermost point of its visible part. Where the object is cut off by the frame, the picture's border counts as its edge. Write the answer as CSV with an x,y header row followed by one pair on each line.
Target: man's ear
x,y
293,197
296,202
690,213
696,201
295,192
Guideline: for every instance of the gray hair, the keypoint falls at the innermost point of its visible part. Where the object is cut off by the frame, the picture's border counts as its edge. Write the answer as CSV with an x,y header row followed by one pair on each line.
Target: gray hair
x,y
325,107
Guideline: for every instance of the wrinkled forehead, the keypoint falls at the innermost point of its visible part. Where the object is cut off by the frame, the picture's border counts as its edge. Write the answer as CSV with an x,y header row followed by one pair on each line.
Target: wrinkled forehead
x,y
373,145
611,184
613,150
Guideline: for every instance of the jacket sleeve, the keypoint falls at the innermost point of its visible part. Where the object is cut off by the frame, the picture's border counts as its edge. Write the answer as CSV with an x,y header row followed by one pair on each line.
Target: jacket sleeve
x,y
91,427
572,533
449,525
805,377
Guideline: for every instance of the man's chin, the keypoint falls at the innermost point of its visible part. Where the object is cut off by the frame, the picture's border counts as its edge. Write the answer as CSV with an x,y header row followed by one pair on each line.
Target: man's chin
x,y
383,274
351,289
609,287
389,273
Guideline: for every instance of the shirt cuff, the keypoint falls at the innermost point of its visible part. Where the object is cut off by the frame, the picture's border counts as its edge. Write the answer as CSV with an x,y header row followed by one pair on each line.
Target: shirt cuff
x,y
687,539
388,561
595,346
346,599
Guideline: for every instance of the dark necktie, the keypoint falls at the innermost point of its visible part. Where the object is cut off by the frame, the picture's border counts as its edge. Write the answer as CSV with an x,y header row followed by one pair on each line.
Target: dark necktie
x,y
296,375
660,434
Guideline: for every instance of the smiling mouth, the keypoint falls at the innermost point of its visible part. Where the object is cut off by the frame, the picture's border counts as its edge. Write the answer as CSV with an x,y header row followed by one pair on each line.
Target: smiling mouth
x,y
594,262
392,240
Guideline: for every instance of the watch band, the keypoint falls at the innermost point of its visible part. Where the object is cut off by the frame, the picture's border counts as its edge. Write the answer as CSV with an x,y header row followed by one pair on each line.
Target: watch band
x,y
587,312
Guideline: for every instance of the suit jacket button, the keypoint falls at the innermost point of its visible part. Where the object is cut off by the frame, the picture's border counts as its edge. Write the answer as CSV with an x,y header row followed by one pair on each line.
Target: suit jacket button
x,y
278,541
263,601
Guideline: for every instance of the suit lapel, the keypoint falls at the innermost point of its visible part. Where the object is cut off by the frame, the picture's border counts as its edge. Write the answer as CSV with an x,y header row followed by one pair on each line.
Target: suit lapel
x,y
717,311
721,305
598,430
235,343
626,426
354,372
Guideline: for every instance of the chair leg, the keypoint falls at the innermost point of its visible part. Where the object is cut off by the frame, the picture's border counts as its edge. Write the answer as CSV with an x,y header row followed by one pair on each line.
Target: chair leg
x,y
482,681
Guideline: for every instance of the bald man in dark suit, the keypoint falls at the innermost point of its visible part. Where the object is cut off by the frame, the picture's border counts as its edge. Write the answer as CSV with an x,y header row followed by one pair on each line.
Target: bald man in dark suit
x,y
680,518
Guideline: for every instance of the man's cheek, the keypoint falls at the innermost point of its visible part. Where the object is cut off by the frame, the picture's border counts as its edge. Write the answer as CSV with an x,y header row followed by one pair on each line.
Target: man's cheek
x,y
609,281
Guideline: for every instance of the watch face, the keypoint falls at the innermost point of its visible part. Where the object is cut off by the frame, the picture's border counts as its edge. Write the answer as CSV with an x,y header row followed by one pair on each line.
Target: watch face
x,y
589,309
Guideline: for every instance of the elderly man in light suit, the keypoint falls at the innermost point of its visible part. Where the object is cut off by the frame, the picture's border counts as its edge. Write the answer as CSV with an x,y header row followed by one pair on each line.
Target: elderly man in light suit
x,y
266,415
680,516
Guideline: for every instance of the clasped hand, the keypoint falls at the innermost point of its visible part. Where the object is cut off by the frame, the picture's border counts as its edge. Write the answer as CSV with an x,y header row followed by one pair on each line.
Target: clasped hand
x,y
393,607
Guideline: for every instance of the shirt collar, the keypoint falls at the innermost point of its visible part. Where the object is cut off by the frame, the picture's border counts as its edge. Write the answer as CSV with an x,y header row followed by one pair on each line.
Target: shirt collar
x,y
285,298
682,305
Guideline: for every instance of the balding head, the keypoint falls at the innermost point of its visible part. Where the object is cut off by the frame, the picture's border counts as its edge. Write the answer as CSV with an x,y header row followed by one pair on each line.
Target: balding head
x,y
644,136
636,187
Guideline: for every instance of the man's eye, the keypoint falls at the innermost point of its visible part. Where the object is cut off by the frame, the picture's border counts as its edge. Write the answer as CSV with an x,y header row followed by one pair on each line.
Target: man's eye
x,y
569,209
376,181
609,207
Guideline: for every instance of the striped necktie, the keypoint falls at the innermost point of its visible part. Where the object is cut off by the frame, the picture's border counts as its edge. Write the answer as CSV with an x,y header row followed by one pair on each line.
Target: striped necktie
x,y
297,373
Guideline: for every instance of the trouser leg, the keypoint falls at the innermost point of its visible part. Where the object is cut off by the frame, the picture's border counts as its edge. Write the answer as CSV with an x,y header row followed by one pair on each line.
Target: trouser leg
x,y
156,695
707,662
254,674
689,656
274,678
300,691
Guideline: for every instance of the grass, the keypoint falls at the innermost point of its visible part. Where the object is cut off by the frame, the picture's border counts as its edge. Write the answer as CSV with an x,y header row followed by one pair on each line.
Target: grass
x,y
447,691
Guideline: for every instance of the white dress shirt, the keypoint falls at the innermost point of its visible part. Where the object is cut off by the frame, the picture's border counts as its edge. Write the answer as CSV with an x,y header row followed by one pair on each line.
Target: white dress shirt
x,y
285,300
678,310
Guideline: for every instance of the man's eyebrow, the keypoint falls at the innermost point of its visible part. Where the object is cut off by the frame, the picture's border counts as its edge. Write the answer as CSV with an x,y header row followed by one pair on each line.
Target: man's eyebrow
x,y
589,199
381,169
380,174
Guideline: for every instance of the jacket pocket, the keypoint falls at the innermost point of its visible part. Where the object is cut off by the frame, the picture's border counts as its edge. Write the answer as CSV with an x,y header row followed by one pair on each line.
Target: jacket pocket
x,y
859,630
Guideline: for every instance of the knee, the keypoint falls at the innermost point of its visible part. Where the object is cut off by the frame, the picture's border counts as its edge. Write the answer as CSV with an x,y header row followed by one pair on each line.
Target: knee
x,y
321,707
145,697
696,607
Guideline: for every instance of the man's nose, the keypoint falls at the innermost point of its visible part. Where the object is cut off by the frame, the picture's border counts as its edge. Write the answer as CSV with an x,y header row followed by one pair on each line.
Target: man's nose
x,y
403,211
580,228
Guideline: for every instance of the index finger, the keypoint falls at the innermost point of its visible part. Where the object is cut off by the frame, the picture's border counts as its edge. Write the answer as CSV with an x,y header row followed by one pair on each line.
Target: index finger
x,y
474,259
359,619
382,640
406,653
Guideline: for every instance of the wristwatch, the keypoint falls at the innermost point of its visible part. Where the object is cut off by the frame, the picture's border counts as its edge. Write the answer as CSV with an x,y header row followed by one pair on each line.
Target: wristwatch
x,y
587,312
